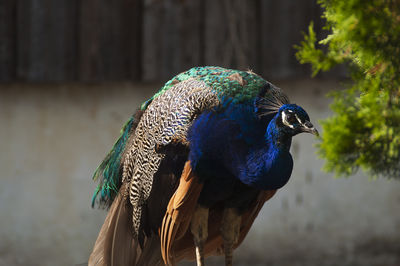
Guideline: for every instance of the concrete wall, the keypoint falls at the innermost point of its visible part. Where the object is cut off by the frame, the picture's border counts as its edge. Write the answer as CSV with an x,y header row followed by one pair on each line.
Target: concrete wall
x,y
53,137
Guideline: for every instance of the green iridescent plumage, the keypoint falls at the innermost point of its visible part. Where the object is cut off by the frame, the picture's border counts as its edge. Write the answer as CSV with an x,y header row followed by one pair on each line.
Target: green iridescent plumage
x,y
224,81
109,171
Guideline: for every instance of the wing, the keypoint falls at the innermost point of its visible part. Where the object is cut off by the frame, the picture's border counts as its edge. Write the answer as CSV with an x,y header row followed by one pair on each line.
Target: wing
x,y
164,123
116,244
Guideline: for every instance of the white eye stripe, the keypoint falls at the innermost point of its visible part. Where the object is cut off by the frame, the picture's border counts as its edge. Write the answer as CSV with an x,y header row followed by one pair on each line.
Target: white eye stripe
x,y
298,119
284,120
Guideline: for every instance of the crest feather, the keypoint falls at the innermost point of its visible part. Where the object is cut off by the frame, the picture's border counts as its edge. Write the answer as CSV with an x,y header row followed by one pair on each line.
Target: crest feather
x,y
270,99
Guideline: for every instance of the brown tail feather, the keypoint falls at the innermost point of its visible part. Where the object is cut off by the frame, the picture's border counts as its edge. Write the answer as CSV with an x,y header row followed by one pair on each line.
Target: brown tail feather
x,y
177,240
151,253
179,213
115,244
184,248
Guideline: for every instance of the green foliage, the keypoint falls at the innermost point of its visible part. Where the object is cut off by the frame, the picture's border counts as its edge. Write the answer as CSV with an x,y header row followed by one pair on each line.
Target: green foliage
x,y
365,129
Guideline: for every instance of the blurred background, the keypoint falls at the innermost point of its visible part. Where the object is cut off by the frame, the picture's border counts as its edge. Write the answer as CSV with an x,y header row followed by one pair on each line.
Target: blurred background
x,y
72,72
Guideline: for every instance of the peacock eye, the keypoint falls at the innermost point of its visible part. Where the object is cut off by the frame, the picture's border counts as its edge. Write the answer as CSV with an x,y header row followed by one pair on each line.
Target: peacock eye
x,y
291,118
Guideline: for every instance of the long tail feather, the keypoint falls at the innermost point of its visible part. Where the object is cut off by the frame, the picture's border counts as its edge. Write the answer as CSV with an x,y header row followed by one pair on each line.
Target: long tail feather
x,y
116,245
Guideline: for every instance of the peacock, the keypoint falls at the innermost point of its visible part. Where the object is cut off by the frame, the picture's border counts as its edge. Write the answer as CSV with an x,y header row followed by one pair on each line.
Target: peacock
x,y
193,167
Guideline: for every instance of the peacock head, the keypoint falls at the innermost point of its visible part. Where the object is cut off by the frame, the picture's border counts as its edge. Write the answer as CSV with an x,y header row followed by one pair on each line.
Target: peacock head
x,y
293,119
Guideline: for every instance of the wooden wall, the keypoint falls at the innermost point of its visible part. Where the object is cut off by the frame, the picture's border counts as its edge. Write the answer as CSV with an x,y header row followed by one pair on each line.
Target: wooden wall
x,y
104,40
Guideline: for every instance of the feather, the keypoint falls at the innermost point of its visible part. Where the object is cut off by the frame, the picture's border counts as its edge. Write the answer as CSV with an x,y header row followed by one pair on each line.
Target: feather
x,y
238,85
184,247
109,172
115,244
270,100
114,239
177,241
179,212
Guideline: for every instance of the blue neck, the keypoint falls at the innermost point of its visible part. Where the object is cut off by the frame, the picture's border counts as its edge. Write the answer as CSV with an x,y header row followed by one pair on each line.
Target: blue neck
x,y
240,148
276,138
269,166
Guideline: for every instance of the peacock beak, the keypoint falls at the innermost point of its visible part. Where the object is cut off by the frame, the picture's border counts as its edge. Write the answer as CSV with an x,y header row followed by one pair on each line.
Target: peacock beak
x,y
309,128
314,132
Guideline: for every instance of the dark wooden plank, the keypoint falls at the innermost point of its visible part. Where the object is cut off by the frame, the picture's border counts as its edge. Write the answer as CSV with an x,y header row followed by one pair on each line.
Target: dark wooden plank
x,y
274,29
110,40
201,32
282,26
102,40
173,37
90,26
132,23
153,27
46,34
190,36
233,33
218,49
8,40
303,12
250,34
258,16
